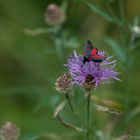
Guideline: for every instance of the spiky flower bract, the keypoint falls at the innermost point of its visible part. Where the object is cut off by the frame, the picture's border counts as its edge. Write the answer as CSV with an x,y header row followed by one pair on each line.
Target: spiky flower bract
x,y
91,74
54,15
64,83
9,131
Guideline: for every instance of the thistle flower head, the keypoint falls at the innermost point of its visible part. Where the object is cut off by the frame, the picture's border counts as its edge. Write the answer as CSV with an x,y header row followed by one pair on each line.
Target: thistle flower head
x,y
9,131
64,83
91,74
54,15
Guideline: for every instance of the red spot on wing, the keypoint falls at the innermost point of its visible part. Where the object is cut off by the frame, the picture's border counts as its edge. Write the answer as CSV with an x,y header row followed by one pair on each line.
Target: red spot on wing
x,y
90,58
94,51
85,53
95,55
98,56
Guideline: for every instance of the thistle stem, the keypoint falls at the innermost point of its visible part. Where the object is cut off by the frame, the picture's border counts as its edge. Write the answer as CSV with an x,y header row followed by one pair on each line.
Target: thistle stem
x,y
88,116
71,107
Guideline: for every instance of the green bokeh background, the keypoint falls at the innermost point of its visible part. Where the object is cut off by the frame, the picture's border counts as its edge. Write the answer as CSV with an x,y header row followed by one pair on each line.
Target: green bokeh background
x,y
28,71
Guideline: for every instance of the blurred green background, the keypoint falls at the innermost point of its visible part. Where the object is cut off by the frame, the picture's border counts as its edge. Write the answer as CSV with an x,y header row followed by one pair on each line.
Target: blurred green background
x,y
28,70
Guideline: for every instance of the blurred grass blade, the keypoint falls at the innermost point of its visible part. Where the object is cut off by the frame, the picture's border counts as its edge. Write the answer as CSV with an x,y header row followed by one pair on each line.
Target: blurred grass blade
x,y
68,125
64,5
119,51
108,109
99,10
31,137
38,31
133,113
59,107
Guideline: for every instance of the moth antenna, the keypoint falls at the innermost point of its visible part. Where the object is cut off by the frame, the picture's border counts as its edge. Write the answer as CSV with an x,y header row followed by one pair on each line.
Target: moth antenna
x,y
89,42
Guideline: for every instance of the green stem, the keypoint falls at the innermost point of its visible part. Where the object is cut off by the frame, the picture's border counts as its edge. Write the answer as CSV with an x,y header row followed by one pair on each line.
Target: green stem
x,y
59,43
71,107
121,6
88,115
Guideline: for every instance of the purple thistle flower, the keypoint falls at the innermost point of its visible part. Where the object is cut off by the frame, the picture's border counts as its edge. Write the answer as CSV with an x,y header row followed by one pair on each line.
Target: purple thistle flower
x,y
91,74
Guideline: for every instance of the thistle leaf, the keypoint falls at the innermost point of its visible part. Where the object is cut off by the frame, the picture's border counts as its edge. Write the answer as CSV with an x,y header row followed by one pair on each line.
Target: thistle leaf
x,y
101,108
108,109
59,108
68,125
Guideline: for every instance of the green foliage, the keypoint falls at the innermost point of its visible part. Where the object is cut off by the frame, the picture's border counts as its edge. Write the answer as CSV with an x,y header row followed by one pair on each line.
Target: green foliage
x,y
32,53
47,102
99,10
117,48
133,113
31,137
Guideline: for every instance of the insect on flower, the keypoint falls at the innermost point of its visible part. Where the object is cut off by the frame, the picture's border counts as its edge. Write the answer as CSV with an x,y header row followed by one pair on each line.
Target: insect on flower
x,y
87,71
91,53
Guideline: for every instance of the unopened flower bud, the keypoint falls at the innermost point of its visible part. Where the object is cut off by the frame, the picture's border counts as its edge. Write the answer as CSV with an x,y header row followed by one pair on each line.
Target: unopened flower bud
x,y
54,15
64,83
136,30
9,131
